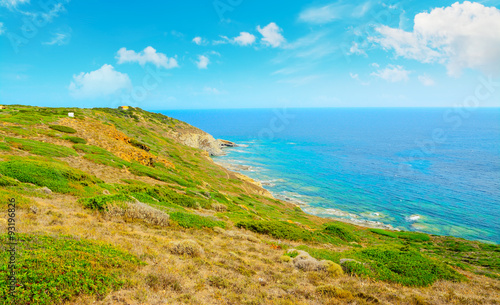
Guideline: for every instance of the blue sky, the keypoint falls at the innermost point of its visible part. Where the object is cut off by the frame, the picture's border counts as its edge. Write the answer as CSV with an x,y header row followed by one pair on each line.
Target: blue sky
x,y
249,54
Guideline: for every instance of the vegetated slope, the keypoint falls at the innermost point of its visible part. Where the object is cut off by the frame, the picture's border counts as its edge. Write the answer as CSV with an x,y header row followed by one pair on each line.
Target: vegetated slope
x,y
113,208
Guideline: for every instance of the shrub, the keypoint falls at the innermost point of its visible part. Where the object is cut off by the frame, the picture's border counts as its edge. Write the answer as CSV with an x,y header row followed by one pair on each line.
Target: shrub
x,y
100,155
331,291
217,281
334,269
162,281
186,247
57,176
219,207
195,221
8,181
138,211
384,233
61,128
276,229
101,203
41,148
160,194
340,231
57,269
75,139
356,268
409,268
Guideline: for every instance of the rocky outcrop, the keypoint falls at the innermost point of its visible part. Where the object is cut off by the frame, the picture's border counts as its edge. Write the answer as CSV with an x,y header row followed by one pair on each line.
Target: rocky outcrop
x,y
197,138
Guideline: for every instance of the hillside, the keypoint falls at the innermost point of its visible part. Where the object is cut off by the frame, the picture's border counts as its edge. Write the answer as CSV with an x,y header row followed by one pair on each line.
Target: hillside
x,y
127,207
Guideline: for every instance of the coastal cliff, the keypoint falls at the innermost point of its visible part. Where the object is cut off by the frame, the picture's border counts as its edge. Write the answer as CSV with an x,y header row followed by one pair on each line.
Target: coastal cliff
x,y
128,207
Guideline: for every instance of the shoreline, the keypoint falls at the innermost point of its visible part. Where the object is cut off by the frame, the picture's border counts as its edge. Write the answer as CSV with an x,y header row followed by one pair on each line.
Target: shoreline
x,y
238,168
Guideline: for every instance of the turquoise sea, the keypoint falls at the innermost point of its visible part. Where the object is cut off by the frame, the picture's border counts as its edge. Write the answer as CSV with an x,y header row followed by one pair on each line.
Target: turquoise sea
x,y
434,170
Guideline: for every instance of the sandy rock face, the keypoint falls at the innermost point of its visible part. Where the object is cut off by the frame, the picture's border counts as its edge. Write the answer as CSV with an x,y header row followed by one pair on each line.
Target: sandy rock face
x,y
202,141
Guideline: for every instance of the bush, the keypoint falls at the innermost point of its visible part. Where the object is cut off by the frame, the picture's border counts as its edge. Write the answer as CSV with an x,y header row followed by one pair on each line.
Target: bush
x,y
356,268
100,156
408,268
41,148
160,194
384,233
101,203
276,229
75,139
334,269
61,128
186,247
132,211
140,145
414,236
57,176
158,174
340,231
331,291
8,181
54,270
195,221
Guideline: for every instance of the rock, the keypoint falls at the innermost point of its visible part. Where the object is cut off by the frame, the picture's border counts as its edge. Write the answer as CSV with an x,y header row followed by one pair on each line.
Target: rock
x,y
46,190
106,192
225,143
343,260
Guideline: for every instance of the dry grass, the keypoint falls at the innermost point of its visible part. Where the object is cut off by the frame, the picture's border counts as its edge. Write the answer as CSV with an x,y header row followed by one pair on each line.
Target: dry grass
x,y
132,211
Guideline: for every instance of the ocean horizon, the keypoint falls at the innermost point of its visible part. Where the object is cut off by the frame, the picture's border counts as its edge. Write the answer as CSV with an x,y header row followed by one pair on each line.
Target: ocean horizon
x,y
432,170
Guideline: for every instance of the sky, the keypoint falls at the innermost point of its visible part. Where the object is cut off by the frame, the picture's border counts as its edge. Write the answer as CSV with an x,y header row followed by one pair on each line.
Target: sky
x,y
189,54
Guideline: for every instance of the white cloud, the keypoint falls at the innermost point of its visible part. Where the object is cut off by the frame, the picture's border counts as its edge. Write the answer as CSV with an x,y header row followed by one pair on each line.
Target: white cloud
x,y
271,35
393,74
320,15
46,15
244,39
2,28
354,75
426,80
198,40
202,62
211,90
149,54
334,11
59,39
460,36
356,50
102,82
12,3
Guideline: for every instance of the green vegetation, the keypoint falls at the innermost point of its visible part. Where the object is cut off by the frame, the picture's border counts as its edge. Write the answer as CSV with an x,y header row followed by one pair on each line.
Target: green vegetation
x,y
340,231
61,128
75,139
53,174
4,146
53,270
277,229
195,221
159,174
412,236
100,156
41,148
101,203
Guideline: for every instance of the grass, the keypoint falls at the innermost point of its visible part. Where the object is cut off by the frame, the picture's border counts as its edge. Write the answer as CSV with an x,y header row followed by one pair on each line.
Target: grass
x,y
4,146
54,270
61,128
159,174
41,148
100,156
101,203
411,236
187,220
277,229
53,174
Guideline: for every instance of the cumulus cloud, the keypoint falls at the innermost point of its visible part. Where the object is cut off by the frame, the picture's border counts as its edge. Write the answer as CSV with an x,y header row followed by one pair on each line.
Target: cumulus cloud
x,y
58,39
102,82
244,39
202,62
271,35
426,80
393,74
463,35
149,54
198,40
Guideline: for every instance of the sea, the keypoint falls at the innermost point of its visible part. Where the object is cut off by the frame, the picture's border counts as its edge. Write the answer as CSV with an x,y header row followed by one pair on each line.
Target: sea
x,y
432,170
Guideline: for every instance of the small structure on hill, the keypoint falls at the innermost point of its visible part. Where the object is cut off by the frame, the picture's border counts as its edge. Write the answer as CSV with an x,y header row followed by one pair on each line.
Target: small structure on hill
x,y
71,114
123,107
